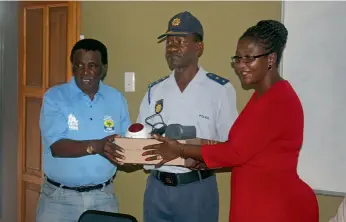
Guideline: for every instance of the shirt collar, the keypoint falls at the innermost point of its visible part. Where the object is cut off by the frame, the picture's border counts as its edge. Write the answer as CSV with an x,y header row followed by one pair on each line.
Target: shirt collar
x,y
75,90
198,77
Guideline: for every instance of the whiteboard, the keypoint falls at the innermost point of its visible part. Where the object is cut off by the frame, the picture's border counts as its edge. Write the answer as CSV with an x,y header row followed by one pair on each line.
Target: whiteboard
x,y
314,61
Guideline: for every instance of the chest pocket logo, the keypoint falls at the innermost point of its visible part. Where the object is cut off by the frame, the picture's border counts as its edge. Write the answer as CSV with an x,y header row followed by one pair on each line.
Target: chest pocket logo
x,y
108,124
159,106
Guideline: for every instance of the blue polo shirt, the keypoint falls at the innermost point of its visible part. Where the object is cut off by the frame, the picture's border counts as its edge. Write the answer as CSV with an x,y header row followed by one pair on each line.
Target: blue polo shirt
x,y
68,113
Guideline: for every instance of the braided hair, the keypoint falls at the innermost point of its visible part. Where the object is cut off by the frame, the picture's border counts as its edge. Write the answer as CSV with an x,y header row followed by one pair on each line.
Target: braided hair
x,y
272,34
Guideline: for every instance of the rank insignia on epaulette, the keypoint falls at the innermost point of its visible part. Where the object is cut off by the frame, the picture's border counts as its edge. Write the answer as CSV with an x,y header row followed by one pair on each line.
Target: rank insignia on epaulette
x,y
218,79
153,84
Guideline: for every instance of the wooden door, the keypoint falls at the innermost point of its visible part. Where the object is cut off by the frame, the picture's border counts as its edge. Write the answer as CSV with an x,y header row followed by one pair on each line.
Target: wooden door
x,y
47,33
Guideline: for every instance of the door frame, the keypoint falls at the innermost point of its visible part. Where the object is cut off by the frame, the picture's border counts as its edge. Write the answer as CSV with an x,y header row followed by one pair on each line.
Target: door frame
x,y
73,36
8,106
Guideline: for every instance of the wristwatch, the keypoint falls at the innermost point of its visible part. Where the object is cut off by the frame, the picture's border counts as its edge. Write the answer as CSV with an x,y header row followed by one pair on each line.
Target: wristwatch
x,y
90,149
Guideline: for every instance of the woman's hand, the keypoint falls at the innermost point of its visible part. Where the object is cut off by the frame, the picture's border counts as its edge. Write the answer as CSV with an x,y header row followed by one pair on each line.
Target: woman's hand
x,y
166,151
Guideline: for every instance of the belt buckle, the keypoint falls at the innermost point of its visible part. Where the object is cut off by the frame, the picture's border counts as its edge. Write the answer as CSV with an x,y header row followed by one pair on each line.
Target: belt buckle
x,y
82,189
170,180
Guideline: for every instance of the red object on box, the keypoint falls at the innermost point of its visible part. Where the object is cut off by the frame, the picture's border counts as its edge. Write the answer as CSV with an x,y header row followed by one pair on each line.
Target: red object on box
x,y
136,127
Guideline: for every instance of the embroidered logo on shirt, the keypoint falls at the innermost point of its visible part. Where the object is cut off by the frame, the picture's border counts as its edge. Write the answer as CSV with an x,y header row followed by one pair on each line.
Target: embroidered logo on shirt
x,y
72,122
159,106
108,124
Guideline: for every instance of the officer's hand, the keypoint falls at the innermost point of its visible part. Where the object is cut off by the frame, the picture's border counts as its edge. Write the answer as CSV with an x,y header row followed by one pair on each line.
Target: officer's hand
x,y
197,165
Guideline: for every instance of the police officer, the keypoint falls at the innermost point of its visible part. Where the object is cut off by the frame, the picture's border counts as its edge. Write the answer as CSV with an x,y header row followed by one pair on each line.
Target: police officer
x,y
188,96
78,120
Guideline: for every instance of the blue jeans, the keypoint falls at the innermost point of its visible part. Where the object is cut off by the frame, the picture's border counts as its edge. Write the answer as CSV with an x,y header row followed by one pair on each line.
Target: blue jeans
x,y
62,205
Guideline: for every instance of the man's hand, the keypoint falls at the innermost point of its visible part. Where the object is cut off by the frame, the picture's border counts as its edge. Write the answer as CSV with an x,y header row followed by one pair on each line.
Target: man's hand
x,y
114,153
111,138
108,149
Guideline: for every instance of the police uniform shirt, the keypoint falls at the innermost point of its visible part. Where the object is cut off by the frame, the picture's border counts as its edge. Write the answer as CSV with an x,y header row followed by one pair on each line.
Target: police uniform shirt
x,y
68,113
208,103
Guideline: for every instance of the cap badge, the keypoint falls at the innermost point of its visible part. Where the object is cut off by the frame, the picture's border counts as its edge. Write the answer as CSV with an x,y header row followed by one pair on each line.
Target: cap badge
x,y
176,22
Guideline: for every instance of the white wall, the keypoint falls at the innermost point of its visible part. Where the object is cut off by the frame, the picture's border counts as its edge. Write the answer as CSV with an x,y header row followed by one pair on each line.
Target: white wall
x,y
315,63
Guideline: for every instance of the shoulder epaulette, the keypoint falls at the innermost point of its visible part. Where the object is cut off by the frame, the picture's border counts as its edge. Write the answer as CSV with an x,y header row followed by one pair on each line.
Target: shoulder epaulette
x,y
218,79
155,83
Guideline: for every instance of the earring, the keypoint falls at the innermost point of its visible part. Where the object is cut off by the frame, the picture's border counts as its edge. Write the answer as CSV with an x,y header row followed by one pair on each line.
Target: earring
x,y
269,67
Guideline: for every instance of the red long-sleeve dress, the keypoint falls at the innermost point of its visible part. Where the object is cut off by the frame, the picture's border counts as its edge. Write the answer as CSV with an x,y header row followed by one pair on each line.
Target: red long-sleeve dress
x,y
263,149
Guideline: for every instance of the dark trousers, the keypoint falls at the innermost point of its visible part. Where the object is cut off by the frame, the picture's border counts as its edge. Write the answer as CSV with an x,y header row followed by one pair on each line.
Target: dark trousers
x,y
193,202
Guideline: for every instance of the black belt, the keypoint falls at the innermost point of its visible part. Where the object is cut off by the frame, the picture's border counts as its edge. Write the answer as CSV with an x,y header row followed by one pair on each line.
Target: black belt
x,y
82,188
175,179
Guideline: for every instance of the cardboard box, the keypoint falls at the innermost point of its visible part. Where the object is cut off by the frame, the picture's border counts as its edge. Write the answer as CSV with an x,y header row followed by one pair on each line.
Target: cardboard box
x,y
134,150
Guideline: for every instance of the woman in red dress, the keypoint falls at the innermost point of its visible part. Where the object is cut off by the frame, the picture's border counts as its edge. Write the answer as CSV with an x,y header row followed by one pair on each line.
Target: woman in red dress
x,y
264,142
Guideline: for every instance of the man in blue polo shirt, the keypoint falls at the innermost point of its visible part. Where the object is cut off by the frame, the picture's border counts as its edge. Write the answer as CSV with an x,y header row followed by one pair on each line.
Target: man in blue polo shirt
x,y
78,123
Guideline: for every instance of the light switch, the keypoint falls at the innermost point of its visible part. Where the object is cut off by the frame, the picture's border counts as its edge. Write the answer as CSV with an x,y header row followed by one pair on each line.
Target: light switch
x,y
81,37
129,81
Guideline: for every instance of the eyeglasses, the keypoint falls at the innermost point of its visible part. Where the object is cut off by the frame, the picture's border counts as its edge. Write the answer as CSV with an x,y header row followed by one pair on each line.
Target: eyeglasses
x,y
247,59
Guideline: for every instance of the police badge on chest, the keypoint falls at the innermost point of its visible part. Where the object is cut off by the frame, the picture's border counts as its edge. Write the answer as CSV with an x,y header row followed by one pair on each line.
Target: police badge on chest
x,y
159,106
